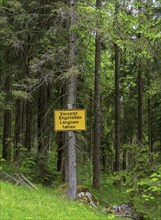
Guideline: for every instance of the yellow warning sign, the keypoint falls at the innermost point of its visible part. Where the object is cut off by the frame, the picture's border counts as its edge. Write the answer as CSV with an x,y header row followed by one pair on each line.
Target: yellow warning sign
x,y
70,120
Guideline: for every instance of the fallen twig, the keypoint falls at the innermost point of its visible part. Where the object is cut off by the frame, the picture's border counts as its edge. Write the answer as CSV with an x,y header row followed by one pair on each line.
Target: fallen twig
x,y
31,184
11,177
21,181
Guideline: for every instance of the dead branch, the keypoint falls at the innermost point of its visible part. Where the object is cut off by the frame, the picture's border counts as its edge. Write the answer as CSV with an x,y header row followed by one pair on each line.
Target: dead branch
x,y
19,178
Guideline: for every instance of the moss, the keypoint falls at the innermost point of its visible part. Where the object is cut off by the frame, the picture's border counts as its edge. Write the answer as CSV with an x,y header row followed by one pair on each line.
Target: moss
x,y
81,188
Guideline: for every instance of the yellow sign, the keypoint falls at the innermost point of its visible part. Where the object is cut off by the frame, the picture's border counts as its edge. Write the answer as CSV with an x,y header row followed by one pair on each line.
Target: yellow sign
x,y
70,120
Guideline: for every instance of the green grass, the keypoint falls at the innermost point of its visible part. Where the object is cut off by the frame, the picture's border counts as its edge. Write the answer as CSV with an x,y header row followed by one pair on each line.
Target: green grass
x,y
111,195
19,203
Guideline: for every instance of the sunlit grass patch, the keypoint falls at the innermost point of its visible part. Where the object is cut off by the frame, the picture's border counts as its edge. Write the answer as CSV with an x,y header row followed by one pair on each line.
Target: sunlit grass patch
x,y
19,203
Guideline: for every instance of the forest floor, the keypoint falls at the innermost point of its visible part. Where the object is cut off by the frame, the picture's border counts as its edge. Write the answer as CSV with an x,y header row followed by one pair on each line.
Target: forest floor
x,y
19,203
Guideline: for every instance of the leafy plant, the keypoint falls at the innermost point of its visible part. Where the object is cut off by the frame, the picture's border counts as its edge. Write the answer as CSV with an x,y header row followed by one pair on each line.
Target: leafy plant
x,y
1,160
147,197
142,182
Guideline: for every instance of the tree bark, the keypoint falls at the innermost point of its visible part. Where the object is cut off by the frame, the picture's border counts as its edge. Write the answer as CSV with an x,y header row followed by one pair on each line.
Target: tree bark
x,y
140,88
124,159
71,104
60,152
150,142
140,106
43,126
29,107
28,132
91,133
97,113
18,143
6,151
117,109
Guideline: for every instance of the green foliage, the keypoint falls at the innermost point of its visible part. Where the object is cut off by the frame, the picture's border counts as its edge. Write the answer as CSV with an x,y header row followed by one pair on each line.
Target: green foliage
x,y
147,197
27,160
110,195
34,44
1,161
71,72
22,95
1,99
85,171
142,182
36,168
42,170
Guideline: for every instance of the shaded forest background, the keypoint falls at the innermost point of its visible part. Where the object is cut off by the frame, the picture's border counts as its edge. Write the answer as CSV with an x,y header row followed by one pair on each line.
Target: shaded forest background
x,y
123,40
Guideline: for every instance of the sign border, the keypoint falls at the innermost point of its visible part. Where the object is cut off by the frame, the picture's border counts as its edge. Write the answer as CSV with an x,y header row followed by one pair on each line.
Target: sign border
x,y
70,110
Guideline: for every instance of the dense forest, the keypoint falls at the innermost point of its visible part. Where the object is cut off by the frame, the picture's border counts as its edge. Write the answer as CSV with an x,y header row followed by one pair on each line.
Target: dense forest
x,y
101,56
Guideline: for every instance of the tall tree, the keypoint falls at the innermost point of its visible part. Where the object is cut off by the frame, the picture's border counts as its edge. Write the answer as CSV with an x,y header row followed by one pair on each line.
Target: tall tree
x,y
117,108
140,86
43,125
7,125
117,92
71,102
140,103
18,140
97,113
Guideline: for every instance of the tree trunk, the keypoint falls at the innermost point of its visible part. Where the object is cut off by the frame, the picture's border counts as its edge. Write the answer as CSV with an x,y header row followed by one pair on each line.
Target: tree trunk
x,y
60,152
91,133
6,152
18,129
97,113
29,107
28,132
43,126
140,88
124,159
71,104
150,143
66,159
140,106
117,109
